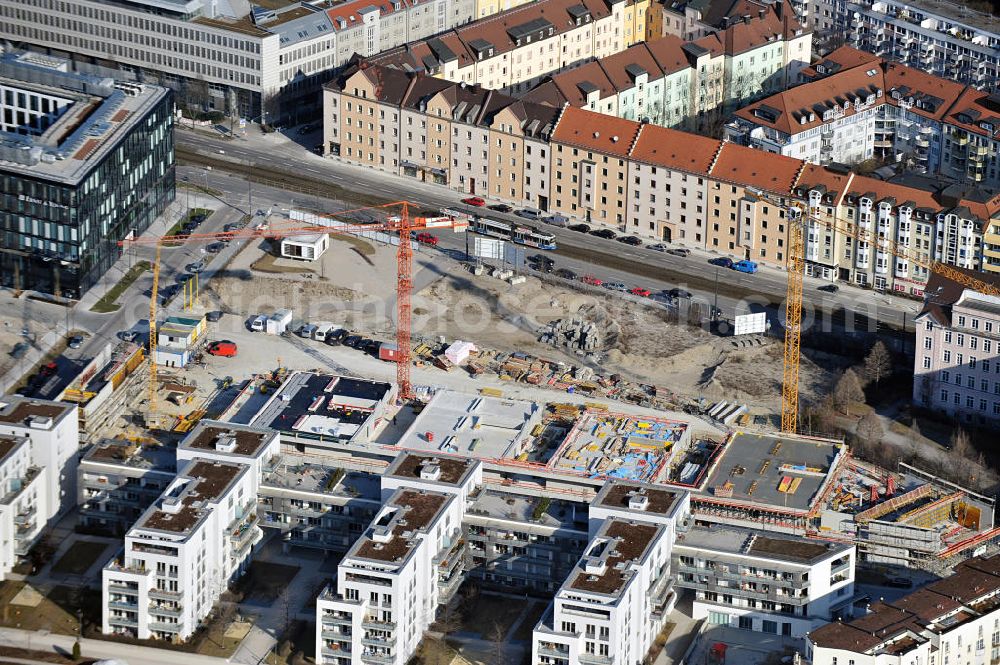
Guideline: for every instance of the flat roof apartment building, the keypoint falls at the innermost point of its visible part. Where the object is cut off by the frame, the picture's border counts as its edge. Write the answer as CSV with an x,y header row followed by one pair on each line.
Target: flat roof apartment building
x,y
409,560
180,555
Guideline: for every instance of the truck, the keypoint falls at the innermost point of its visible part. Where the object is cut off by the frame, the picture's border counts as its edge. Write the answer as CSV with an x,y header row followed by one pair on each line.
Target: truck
x,y
323,330
388,351
278,322
746,266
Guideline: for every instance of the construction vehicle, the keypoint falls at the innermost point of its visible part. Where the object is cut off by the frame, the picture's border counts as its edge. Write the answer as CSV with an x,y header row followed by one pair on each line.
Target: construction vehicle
x,y
393,218
798,215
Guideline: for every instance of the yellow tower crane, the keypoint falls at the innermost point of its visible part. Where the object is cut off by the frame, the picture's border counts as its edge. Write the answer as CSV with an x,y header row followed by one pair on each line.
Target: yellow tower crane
x,y
795,262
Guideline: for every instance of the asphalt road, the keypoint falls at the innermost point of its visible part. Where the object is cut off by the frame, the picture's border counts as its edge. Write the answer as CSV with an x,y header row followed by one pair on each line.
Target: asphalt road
x,y
584,254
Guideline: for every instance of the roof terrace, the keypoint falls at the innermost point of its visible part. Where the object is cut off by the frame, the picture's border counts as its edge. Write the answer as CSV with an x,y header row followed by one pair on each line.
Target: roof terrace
x,y
607,565
394,534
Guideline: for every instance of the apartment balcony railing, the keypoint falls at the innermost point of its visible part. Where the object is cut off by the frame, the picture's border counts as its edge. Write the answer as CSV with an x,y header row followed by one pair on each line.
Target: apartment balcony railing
x,y
336,653
381,658
165,627
334,620
160,610
329,634
371,623
594,658
124,605
164,593
553,653
374,641
123,621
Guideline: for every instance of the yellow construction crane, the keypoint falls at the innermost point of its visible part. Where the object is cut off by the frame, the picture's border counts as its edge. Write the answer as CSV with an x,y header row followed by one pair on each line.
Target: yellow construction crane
x,y
795,262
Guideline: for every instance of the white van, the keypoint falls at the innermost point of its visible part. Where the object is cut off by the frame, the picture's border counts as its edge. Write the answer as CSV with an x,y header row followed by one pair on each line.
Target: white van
x,y
323,330
258,323
307,331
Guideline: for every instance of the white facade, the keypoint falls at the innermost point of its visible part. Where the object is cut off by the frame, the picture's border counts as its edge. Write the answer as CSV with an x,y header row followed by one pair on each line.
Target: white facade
x,y
23,501
615,602
238,60
391,581
308,247
783,586
181,554
53,430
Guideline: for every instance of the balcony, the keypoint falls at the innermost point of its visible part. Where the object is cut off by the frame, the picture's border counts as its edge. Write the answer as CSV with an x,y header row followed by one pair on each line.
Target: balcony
x,y
124,605
336,634
553,652
371,623
374,641
165,611
123,621
594,658
163,626
382,658
336,653
164,594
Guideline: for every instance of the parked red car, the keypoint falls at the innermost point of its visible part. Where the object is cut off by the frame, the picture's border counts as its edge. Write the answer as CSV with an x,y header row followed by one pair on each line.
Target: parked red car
x,y
427,239
593,281
639,291
474,201
225,348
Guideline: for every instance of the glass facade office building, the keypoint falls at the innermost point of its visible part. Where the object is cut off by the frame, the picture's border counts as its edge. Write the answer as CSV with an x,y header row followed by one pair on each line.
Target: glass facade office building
x,y
61,222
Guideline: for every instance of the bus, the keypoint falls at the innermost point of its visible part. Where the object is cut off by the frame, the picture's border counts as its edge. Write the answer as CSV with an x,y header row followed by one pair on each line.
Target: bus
x,y
522,235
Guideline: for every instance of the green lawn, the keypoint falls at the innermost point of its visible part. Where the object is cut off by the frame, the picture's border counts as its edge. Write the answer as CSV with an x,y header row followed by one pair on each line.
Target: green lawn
x,y
109,303
79,558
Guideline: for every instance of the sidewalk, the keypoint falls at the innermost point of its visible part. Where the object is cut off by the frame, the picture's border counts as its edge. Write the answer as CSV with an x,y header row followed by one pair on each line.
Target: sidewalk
x,y
134,655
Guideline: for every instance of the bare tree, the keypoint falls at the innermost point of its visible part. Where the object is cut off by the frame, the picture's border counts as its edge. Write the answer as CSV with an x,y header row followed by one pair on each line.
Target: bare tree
x,y
870,430
961,445
847,391
496,637
878,364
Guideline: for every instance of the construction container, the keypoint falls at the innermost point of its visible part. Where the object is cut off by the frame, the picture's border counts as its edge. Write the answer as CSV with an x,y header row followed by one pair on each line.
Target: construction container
x,y
389,352
278,322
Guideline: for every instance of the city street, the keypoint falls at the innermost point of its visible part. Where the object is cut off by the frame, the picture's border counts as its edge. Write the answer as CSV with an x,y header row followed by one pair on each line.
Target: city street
x,y
584,254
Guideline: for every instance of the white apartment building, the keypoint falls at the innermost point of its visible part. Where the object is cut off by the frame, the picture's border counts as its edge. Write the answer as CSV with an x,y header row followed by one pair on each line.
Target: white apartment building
x,y
118,480
952,621
943,39
181,554
409,560
23,501
767,583
615,602
53,431
231,55
956,367
855,107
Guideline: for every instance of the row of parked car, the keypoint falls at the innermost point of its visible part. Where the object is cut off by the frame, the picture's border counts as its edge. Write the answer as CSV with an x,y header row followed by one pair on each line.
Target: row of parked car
x,y
334,335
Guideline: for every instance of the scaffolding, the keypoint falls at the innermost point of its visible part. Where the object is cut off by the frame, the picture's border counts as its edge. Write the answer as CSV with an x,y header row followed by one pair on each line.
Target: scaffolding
x,y
933,514
893,504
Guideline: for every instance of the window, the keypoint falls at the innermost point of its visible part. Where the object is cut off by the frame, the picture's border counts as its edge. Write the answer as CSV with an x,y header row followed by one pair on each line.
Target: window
x,y
927,362
746,623
769,627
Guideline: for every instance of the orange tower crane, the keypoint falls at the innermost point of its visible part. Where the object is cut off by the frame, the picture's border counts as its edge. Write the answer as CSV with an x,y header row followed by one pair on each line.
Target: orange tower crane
x,y
797,216
396,220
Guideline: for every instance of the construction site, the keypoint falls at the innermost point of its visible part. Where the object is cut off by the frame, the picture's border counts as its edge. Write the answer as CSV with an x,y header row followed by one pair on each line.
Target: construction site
x,y
552,386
